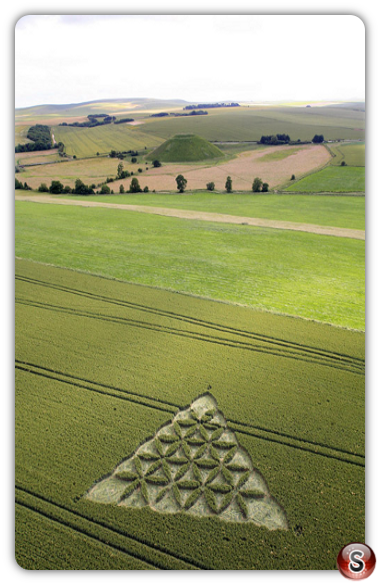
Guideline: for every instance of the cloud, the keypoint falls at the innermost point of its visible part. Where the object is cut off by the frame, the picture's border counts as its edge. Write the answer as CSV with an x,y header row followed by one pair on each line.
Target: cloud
x,y
72,58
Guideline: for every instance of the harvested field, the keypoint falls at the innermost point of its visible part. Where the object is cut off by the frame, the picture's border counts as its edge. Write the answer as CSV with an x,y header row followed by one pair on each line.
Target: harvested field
x,y
94,170
242,170
273,164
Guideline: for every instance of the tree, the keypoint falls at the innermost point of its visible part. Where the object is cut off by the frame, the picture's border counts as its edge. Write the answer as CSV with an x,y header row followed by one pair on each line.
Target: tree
x,y
43,188
146,189
67,189
256,185
265,188
134,186
56,187
318,138
343,163
140,170
105,190
120,168
121,188
229,185
181,183
133,159
293,178
82,189
210,186
156,164
18,184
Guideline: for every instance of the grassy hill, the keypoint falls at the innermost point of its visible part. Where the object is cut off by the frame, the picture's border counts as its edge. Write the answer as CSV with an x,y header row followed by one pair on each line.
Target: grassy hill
x,y
111,106
250,123
186,148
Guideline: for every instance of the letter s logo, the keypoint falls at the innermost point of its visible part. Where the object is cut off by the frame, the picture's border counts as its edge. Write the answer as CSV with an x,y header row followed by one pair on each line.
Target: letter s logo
x,y
356,565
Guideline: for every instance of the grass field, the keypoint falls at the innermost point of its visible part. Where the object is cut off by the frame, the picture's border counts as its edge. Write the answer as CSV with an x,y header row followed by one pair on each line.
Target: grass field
x,y
326,210
251,123
85,142
318,277
101,364
352,154
332,179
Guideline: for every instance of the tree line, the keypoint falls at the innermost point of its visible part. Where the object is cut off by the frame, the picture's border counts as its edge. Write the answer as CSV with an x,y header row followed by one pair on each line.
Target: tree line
x,y
208,106
41,139
285,139
258,186
92,121
177,114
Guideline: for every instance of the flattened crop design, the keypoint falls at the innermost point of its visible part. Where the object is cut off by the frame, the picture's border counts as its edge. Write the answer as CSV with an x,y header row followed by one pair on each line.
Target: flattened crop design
x,y
193,464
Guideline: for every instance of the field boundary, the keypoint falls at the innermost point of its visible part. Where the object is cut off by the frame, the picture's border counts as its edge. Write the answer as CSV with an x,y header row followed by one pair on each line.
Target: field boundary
x,y
246,339
203,216
258,432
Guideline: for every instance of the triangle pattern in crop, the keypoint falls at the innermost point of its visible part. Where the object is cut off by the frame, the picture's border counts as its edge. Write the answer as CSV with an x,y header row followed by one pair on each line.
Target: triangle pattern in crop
x,y
193,464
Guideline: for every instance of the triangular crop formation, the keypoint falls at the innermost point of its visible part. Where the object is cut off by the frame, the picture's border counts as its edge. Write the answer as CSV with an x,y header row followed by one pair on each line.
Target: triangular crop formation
x,y
194,464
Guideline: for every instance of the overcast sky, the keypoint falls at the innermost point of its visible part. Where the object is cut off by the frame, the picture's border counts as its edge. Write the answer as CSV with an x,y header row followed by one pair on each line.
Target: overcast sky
x,y
70,59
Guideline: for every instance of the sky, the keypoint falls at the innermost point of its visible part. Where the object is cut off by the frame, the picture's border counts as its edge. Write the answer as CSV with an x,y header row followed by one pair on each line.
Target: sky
x,y
61,59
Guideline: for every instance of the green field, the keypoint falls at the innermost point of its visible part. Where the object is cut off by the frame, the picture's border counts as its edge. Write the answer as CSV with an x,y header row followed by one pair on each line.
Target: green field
x,y
83,142
251,123
101,364
352,154
318,277
332,179
326,210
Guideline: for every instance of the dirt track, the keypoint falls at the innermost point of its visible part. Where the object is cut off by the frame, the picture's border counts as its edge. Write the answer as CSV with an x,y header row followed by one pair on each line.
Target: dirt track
x,y
204,216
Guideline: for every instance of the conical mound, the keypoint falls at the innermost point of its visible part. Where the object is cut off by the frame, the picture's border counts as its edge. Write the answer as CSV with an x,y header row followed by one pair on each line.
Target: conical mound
x,y
186,148
193,464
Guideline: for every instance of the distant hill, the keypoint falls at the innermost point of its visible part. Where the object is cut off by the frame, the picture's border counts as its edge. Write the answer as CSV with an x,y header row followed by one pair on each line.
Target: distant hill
x,y
111,106
186,148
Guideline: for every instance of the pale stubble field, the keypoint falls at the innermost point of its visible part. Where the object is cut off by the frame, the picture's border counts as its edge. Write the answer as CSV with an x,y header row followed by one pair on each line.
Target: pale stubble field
x,y
242,169
274,165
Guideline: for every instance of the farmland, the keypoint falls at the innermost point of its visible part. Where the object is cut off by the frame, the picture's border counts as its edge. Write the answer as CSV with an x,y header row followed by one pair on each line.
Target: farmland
x,y
94,357
274,164
343,211
251,123
317,277
190,389
85,142
332,179
353,154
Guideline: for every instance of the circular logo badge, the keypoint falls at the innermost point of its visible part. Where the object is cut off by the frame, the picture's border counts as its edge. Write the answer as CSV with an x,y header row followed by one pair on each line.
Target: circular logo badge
x,y
356,561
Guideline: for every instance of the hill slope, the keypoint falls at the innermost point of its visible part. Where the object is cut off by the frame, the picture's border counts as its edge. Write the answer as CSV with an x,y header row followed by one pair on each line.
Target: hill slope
x,y
186,148
112,106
